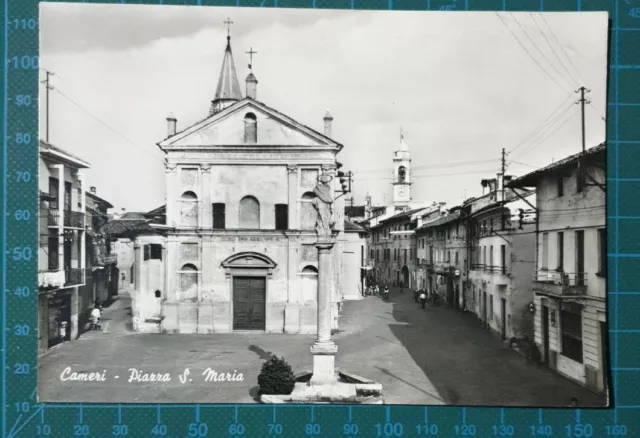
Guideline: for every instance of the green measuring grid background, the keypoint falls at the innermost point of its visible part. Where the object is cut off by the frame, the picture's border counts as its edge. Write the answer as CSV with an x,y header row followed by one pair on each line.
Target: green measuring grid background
x,y
22,416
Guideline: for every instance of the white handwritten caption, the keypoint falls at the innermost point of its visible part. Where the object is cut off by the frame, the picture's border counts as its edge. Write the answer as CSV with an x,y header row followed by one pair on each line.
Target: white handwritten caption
x,y
139,376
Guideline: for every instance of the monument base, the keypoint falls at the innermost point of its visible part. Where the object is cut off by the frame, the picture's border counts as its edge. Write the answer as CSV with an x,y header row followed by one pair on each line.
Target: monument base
x,y
346,389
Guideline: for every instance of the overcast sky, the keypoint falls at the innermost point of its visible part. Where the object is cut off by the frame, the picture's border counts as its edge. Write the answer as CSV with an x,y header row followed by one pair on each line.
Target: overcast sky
x,y
462,86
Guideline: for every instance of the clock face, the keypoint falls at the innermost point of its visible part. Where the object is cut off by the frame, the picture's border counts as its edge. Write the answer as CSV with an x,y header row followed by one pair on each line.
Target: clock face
x,y
401,192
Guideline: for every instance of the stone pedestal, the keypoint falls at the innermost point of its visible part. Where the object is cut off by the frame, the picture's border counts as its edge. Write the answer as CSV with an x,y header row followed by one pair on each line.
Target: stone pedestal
x,y
324,363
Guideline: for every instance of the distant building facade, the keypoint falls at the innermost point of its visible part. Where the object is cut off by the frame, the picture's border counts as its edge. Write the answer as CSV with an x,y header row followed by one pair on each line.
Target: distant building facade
x,y
570,274
354,261
502,254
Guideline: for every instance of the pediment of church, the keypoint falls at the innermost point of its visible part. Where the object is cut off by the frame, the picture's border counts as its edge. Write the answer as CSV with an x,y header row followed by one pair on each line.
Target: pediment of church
x,y
249,260
228,128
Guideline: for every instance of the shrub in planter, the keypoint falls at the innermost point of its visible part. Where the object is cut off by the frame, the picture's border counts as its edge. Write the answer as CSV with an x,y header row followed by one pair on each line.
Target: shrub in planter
x,y
276,377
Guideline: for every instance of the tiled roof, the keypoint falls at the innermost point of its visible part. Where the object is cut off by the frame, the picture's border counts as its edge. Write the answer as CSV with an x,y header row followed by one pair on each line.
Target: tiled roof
x,y
350,226
530,179
402,214
99,199
118,228
442,220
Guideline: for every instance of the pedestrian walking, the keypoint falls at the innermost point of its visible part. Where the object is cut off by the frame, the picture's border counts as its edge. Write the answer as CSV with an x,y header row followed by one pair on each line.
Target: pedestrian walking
x,y
386,292
423,299
401,287
416,294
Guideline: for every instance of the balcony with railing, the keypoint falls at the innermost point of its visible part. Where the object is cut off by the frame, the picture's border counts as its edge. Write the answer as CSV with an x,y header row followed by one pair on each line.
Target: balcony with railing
x,y
72,219
560,283
61,278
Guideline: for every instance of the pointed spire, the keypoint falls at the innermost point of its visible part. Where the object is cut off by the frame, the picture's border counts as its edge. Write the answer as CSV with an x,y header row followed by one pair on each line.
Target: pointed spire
x,y
228,90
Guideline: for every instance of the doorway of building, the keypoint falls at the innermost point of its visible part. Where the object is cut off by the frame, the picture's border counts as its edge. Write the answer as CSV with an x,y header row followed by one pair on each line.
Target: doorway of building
x,y
249,303
545,333
450,297
484,308
405,277
503,310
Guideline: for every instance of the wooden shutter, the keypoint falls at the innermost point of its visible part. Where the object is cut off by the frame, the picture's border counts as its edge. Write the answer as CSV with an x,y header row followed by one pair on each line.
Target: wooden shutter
x,y
147,252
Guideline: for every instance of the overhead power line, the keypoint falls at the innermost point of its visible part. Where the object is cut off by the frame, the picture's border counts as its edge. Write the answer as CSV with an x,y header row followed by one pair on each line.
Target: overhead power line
x,y
106,125
529,53
576,82
546,121
524,31
545,138
434,166
562,48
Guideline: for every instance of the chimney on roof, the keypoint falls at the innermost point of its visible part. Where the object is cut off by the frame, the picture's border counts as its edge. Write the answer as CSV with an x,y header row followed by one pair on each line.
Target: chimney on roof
x,y
92,190
328,118
171,125
252,86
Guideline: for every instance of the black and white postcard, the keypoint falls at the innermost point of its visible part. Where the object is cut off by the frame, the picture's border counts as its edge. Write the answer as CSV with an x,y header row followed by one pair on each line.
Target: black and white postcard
x,y
244,205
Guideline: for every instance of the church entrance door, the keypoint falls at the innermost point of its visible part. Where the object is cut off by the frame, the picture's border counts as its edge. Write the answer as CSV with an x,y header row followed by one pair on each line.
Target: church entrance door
x,y
249,303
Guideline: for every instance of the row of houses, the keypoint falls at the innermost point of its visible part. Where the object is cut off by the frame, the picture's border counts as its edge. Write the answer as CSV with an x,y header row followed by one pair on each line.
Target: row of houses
x,y
528,258
75,264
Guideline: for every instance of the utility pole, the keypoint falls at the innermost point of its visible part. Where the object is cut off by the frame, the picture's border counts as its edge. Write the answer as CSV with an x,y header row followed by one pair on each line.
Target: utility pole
x,y
582,101
47,84
503,168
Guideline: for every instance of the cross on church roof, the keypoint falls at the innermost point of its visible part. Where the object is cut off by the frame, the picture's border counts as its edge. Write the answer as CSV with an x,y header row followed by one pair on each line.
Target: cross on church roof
x,y
251,53
228,22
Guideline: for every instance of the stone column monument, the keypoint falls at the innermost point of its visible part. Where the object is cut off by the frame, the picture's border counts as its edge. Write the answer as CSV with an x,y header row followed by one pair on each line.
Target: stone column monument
x,y
324,350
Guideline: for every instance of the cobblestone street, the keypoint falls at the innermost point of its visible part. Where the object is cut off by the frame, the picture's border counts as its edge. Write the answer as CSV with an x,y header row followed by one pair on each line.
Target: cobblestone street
x,y
435,356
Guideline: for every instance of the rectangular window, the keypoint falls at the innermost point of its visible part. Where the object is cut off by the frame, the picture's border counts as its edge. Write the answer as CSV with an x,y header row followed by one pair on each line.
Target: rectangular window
x,y
53,249
491,256
560,252
67,196
560,186
155,251
571,328
53,193
602,247
405,256
545,251
218,216
484,255
455,258
282,217
503,258
147,252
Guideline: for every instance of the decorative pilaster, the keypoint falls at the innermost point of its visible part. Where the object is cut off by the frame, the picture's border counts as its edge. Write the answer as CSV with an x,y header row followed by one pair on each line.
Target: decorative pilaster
x,y
292,175
171,182
206,220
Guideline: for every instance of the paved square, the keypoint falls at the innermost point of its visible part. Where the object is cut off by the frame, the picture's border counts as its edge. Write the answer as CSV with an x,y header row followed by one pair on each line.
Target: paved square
x,y
432,356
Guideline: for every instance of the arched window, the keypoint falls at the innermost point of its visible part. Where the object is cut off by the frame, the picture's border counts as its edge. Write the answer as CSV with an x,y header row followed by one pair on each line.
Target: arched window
x,y
308,213
189,209
309,276
402,174
188,283
249,213
250,128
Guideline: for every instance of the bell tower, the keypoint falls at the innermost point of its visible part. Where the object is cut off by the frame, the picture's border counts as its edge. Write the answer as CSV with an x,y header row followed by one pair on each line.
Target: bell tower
x,y
402,176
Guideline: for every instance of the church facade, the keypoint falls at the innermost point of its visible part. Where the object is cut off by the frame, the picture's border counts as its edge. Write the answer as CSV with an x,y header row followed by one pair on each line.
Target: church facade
x,y
237,252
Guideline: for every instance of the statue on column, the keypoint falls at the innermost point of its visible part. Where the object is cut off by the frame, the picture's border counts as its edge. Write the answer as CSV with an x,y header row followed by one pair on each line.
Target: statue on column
x,y
323,203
